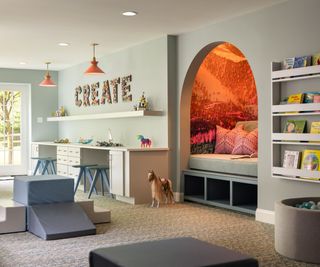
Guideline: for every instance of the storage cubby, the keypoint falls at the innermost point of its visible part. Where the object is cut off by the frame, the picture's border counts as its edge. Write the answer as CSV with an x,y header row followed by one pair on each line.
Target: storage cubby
x,y
218,191
244,195
228,191
194,186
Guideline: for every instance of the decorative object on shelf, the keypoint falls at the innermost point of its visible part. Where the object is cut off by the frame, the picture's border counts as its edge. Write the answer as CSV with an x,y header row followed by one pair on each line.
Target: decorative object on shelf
x,y
88,95
309,205
60,112
95,101
311,160
295,126
126,88
110,139
135,107
291,159
161,189
315,127
85,141
108,144
94,69
62,141
106,95
143,103
144,142
316,59
47,82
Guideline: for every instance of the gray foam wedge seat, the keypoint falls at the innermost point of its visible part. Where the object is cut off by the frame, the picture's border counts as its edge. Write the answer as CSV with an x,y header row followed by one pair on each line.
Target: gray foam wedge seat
x,y
59,220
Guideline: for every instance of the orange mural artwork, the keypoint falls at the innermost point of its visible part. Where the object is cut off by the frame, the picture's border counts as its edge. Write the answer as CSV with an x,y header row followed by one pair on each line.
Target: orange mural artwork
x,y
223,93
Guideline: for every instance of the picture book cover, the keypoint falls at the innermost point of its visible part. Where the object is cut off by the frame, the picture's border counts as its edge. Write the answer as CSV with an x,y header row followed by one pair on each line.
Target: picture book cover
x,y
300,62
316,59
311,160
316,99
309,97
288,63
295,99
315,127
295,126
291,159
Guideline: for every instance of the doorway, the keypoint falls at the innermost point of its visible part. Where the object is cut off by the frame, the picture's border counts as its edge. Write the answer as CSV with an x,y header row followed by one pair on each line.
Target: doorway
x,y
14,128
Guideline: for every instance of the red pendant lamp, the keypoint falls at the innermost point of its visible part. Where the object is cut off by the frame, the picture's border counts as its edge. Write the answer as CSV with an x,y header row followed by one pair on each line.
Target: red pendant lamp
x,y
94,69
47,82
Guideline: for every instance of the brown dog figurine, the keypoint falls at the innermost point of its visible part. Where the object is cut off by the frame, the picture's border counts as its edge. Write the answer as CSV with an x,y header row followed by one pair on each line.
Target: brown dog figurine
x,y
160,188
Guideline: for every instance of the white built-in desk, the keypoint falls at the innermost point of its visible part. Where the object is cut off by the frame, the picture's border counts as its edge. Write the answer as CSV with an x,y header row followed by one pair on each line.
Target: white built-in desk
x,y
128,166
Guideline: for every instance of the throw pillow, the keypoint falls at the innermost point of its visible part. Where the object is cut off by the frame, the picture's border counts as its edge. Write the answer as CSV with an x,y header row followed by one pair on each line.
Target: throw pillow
x,y
225,139
246,143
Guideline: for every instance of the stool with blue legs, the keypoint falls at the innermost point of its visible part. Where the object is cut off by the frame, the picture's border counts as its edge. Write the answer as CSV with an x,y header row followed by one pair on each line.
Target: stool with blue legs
x,y
84,173
45,165
100,171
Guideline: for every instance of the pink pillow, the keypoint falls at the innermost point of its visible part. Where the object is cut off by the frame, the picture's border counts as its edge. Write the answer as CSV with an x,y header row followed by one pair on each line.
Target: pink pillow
x,y
225,139
246,143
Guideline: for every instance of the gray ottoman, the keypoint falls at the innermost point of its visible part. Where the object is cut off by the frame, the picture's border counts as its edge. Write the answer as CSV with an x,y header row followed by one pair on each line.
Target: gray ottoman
x,y
178,252
297,231
45,189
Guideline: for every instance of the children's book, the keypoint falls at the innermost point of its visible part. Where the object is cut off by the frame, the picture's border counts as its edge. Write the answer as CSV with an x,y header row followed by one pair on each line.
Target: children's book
x,y
295,126
311,162
295,99
315,127
291,159
288,63
316,59
300,62
309,97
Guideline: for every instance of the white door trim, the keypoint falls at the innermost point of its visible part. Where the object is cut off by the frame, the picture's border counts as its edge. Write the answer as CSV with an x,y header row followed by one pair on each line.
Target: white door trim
x,y
25,88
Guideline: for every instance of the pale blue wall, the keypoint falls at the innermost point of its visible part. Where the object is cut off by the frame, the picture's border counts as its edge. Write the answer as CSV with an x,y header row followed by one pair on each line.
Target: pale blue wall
x,y
148,65
44,100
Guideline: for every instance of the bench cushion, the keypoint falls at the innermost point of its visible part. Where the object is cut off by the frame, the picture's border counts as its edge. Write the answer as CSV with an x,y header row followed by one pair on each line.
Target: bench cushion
x,y
42,189
178,252
225,164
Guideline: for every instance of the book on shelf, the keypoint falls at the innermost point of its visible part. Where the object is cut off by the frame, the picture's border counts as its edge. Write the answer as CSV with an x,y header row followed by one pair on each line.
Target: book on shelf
x,y
316,59
295,126
309,97
291,159
315,127
295,98
288,63
311,162
300,62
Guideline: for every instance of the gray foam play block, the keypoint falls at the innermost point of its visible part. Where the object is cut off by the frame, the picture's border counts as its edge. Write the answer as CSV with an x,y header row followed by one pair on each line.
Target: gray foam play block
x,y
42,189
61,220
177,252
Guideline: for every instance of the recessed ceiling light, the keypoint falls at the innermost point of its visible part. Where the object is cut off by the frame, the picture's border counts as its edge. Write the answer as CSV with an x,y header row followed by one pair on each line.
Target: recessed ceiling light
x,y
63,44
23,63
129,13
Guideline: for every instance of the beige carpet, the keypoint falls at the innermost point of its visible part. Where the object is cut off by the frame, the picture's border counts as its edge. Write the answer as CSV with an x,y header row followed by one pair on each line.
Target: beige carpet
x,y
138,223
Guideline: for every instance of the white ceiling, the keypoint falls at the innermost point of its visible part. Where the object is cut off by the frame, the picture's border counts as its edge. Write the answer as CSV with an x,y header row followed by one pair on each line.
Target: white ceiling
x,y
31,29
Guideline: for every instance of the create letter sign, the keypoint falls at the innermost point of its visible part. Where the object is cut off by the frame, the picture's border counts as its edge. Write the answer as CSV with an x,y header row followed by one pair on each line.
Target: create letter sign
x,y
89,95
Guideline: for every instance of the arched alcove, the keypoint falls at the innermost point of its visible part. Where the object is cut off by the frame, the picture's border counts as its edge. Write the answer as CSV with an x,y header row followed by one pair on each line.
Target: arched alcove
x,y
224,78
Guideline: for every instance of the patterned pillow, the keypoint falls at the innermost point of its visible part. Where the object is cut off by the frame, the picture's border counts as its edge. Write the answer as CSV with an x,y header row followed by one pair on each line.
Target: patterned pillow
x,y
246,143
225,139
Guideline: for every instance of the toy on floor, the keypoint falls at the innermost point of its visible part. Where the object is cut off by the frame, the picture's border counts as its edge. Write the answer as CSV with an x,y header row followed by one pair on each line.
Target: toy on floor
x,y
144,142
160,188
310,205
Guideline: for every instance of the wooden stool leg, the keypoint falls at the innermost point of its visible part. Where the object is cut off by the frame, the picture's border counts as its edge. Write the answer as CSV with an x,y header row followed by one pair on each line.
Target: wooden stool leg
x,y
37,168
102,184
106,179
93,183
84,179
78,180
53,167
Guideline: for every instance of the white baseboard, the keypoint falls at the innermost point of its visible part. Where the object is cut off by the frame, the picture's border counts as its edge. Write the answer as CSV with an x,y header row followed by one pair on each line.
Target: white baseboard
x,y
178,197
265,216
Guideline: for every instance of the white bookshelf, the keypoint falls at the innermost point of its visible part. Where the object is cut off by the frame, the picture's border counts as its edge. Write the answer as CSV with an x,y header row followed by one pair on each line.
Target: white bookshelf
x,y
112,115
284,83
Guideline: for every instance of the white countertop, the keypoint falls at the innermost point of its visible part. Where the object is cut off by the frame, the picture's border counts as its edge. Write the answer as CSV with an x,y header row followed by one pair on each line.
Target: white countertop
x,y
119,148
